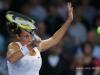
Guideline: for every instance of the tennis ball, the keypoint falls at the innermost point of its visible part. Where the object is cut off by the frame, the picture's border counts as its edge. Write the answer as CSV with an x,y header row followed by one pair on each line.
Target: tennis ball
x,y
98,30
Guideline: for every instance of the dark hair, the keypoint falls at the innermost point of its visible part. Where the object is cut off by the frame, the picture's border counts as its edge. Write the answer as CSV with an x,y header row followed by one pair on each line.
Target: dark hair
x,y
87,43
14,28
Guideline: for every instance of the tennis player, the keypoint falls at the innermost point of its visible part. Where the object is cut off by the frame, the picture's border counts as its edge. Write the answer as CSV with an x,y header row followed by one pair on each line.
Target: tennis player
x,y
23,56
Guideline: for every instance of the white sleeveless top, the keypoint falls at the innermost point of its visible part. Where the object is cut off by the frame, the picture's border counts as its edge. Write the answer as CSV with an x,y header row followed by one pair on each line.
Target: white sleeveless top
x,y
27,65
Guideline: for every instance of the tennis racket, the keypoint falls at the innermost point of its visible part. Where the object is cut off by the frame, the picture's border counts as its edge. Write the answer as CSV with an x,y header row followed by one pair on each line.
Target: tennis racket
x,y
20,20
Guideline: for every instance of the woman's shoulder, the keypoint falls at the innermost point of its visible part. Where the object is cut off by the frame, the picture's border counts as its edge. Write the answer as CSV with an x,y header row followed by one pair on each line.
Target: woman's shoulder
x,y
12,48
13,45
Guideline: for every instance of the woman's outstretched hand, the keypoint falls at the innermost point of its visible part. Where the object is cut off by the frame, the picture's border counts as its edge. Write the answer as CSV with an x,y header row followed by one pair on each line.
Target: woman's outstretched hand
x,y
70,11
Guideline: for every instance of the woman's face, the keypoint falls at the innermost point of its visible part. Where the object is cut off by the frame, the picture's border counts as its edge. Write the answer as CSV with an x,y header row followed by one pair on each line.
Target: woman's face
x,y
87,49
25,37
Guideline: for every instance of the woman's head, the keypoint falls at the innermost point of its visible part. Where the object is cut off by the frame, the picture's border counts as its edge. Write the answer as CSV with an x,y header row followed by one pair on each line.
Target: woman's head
x,y
87,48
24,36
20,34
22,26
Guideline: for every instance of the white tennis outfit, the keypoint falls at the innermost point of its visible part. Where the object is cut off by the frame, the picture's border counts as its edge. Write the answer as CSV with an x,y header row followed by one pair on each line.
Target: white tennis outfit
x,y
28,65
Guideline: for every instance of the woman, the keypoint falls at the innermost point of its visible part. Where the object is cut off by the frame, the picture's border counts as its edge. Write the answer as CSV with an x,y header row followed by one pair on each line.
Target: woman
x,y
24,55
91,63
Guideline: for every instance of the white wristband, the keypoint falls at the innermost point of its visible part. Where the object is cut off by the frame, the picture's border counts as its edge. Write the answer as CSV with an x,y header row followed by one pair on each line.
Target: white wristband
x,y
24,50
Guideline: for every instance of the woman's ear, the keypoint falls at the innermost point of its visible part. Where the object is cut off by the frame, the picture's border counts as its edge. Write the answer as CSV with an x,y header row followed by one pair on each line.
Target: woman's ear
x,y
17,37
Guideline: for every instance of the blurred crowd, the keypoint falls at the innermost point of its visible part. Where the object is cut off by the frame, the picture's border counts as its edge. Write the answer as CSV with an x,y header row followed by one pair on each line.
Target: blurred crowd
x,y
78,53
